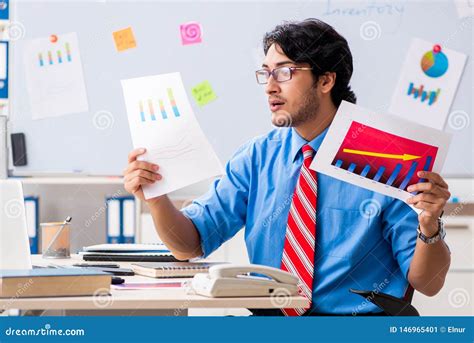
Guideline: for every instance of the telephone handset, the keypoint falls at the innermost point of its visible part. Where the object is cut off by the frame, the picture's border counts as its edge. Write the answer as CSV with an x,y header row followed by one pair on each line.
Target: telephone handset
x,y
234,281
236,270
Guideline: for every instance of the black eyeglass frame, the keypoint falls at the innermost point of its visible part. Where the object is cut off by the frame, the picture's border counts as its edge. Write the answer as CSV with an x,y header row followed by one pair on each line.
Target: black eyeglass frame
x,y
272,73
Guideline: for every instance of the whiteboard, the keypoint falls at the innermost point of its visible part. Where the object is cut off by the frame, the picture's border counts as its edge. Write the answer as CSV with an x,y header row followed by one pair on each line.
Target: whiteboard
x,y
97,142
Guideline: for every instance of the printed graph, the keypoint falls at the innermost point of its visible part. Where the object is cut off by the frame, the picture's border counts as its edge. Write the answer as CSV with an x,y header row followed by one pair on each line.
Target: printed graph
x,y
422,94
55,56
383,157
182,147
147,108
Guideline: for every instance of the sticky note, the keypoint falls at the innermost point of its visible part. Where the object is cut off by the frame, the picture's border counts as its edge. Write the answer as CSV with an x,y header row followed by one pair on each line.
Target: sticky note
x,y
124,39
203,93
191,33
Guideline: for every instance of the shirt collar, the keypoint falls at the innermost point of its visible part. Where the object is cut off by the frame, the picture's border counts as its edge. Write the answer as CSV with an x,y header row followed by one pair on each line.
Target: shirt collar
x,y
297,142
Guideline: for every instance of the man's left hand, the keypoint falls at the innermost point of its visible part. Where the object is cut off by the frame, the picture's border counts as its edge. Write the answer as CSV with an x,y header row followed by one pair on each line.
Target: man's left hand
x,y
431,200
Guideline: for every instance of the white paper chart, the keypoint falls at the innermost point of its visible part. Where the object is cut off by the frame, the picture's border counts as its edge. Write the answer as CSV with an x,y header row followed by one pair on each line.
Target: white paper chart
x,y
162,121
428,83
54,76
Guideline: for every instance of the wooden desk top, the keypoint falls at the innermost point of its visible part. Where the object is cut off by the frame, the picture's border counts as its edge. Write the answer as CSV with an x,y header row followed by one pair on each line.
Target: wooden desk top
x,y
165,298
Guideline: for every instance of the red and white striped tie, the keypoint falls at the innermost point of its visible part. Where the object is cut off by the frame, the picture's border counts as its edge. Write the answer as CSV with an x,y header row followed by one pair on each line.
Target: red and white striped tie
x,y
298,251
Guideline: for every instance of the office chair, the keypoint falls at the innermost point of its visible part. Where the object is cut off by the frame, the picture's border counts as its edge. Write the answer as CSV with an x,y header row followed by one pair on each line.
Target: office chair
x,y
391,305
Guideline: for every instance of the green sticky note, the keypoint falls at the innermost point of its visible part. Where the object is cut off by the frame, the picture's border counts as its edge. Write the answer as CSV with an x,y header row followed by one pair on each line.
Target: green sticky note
x,y
203,93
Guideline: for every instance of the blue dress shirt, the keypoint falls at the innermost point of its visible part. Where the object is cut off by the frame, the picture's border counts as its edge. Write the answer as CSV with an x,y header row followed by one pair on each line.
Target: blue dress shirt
x,y
364,240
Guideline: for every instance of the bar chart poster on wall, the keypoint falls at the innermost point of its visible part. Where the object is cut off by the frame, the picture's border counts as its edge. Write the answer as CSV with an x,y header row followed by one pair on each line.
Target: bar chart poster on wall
x,y
428,82
161,120
379,152
54,76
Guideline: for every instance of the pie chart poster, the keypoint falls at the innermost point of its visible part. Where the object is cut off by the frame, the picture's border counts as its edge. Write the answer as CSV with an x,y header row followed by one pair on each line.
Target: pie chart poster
x,y
428,82
384,157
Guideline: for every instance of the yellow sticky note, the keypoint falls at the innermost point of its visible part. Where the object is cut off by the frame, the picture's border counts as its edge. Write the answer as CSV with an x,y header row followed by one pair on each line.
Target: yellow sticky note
x,y
124,39
203,93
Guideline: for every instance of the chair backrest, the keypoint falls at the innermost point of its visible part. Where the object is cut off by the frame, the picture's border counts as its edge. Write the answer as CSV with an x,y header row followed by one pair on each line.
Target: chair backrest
x,y
391,305
408,297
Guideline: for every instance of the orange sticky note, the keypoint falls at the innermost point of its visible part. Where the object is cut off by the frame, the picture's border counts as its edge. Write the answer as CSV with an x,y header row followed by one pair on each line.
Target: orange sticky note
x,y
124,39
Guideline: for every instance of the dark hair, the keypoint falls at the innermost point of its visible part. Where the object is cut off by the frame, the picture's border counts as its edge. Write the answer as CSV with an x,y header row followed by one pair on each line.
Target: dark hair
x,y
317,43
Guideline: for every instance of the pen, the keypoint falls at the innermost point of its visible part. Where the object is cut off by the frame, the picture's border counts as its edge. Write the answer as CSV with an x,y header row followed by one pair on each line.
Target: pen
x,y
67,221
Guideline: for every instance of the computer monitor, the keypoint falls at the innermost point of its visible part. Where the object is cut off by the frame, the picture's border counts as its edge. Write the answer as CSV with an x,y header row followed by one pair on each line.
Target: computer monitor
x,y
14,242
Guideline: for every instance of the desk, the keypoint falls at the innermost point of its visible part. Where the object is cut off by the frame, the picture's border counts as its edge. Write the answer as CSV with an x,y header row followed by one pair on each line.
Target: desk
x,y
166,301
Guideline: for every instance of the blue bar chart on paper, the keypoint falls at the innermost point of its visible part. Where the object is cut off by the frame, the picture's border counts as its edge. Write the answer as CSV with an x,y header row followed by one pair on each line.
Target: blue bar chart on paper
x,y
147,108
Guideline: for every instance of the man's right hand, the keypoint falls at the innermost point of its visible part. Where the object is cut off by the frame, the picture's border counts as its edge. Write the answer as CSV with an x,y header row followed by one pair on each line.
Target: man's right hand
x,y
139,173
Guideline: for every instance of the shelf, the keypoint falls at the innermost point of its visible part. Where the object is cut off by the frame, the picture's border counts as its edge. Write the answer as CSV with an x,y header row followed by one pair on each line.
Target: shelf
x,y
90,180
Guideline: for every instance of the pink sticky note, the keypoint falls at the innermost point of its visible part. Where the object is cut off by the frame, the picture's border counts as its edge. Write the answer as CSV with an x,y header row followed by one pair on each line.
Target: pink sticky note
x,y
191,33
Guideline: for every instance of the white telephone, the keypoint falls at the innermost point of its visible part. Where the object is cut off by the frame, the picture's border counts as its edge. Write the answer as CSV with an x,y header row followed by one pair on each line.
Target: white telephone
x,y
234,281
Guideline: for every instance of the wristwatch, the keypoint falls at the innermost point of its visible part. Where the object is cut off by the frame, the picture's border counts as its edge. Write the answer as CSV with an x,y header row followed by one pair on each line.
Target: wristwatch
x,y
436,237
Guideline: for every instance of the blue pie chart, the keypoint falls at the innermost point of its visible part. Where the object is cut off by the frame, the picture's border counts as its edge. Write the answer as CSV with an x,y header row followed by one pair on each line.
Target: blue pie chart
x,y
434,63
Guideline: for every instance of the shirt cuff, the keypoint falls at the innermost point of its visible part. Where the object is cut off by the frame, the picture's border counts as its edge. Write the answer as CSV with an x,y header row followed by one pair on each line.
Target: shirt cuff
x,y
195,213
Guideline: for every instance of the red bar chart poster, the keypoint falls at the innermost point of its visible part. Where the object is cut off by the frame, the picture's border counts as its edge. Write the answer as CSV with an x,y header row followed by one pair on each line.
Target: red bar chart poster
x,y
379,151
384,157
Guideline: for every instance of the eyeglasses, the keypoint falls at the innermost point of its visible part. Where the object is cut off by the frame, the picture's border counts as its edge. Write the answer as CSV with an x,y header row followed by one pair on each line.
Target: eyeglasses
x,y
281,74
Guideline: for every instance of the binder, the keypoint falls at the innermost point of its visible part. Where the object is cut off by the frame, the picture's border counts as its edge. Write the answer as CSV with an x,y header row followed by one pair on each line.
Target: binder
x,y
4,11
128,220
3,72
3,147
113,220
32,221
120,219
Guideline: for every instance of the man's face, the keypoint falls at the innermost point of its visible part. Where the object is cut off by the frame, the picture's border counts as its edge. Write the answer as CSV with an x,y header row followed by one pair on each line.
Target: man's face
x,y
291,102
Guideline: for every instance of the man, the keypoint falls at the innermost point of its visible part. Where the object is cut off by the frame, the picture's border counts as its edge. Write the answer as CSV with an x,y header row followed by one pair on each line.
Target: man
x,y
307,223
